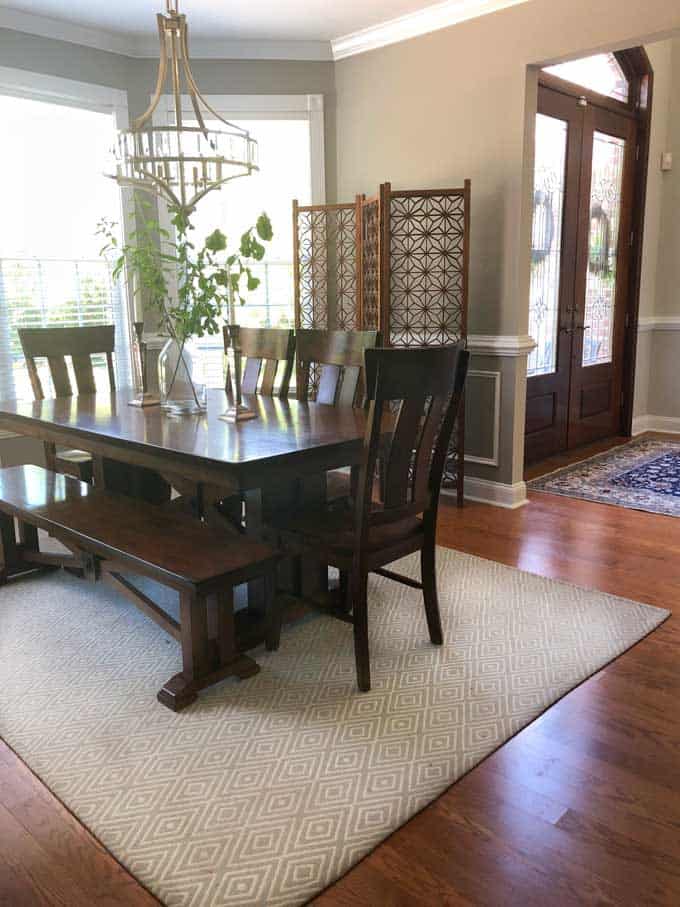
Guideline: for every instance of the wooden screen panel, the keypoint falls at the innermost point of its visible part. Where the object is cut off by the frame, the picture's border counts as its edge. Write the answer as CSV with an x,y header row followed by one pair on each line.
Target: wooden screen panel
x,y
326,266
424,280
370,263
428,265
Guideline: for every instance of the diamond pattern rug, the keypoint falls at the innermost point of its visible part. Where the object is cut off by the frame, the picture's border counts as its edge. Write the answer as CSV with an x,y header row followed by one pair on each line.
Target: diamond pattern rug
x,y
643,475
267,790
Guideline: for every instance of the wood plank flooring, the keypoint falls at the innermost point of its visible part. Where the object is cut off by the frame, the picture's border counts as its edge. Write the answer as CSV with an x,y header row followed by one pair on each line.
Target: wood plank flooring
x,y
581,807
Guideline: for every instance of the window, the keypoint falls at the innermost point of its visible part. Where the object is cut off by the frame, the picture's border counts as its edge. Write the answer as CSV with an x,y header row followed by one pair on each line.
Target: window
x,y
52,162
601,73
289,132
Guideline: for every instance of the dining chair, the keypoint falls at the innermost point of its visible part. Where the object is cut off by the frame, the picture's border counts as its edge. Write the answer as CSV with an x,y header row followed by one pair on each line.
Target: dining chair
x,y
57,345
330,367
363,536
269,354
266,352
79,345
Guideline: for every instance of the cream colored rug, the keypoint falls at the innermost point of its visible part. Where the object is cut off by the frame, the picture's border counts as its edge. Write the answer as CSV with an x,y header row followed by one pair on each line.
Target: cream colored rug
x,y
266,791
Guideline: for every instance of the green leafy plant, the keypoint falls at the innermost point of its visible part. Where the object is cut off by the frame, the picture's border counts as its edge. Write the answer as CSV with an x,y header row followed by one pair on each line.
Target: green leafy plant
x,y
188,286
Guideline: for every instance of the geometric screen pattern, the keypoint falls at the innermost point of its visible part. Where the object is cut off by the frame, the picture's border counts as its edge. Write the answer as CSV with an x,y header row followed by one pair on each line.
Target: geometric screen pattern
x,y
327,267
423,303
370,263
427,269
428,304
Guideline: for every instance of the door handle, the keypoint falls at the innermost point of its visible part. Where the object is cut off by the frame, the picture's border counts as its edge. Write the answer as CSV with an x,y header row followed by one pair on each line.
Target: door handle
x,y
582,327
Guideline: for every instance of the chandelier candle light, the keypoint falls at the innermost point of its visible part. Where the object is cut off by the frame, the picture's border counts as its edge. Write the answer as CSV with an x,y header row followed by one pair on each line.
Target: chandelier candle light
x,y
181,163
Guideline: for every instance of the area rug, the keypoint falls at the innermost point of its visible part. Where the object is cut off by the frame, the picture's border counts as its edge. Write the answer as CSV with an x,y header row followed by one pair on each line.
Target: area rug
x,y
642,475
265,791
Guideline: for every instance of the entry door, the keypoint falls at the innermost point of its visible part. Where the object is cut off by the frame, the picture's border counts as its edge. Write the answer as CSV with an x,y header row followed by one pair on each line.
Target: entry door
x,y
583,188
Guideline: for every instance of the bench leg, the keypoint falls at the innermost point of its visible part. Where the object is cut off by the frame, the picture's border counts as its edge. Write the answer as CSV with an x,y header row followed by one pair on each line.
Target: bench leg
x,y
9,555
205,661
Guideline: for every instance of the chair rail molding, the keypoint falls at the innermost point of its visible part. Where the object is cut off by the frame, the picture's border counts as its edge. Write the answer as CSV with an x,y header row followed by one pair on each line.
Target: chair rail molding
x,y
512,345
658,323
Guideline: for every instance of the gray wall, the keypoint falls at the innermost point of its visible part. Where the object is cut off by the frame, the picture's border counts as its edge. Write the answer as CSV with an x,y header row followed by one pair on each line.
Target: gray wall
x,y
460,103
657,395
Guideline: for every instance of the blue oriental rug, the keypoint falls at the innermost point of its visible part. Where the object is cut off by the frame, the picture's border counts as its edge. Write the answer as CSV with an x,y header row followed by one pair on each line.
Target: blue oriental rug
x,y
642,475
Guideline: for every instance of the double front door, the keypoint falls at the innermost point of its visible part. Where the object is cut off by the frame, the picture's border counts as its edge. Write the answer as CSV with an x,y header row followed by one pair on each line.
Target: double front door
x,y
583,192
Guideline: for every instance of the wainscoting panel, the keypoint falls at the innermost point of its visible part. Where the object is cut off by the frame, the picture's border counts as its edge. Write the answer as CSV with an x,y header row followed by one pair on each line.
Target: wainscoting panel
x,y
483,417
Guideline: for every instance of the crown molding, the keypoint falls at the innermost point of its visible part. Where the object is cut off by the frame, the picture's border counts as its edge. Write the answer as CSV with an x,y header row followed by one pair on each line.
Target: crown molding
x,y
147,47
512,345
420,22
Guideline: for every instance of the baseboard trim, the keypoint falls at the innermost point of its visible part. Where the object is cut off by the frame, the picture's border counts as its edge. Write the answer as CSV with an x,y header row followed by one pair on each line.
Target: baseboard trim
x,y
497,493
648,422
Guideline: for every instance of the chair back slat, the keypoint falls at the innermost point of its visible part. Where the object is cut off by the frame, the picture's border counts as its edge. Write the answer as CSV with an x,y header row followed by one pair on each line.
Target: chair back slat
x,y
60,376
428,384
424,451
251,376
80,344
352,386
268,352
329,382
271,367
82,368
336,360
399,461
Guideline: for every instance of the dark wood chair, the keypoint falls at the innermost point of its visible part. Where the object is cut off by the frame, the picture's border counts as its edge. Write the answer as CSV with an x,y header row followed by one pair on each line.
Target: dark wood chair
x,y
268,353
56,345
80,344
332,364
363,536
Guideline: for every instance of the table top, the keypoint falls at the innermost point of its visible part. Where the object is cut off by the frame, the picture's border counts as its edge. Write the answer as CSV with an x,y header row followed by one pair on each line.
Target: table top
x,y
284,430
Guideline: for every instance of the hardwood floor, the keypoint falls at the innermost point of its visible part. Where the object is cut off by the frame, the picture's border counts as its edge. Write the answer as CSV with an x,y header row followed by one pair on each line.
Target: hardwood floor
x,y
581,807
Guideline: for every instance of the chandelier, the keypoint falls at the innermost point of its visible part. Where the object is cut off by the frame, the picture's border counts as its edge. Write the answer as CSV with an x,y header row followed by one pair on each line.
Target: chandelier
x,y
183,161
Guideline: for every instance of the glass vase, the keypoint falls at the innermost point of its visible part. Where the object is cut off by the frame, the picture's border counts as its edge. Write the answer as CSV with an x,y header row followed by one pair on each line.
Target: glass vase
x,y
181,378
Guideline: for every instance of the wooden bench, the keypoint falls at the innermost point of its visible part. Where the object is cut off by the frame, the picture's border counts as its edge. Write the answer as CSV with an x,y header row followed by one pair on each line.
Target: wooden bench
x,y
124,535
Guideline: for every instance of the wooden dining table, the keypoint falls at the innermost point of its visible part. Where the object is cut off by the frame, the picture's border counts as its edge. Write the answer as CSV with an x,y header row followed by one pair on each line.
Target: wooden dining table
x,y
276,460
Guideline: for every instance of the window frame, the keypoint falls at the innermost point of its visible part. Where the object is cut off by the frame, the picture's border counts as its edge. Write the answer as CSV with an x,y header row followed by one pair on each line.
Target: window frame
x,y
636,68
308,107
99,99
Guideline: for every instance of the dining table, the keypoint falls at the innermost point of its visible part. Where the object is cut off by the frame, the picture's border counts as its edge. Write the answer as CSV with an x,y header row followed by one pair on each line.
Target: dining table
x,y
275,461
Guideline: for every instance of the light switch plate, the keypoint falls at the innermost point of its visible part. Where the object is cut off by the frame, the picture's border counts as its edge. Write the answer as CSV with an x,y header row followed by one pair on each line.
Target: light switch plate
x,y
667,160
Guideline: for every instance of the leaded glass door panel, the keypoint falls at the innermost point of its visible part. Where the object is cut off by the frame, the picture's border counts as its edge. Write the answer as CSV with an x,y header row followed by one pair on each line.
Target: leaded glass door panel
x,y
602,278
583,187
558,142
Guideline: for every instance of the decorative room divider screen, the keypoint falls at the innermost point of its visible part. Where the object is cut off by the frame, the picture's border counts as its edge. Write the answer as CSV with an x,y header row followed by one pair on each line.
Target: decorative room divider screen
x,y
396,261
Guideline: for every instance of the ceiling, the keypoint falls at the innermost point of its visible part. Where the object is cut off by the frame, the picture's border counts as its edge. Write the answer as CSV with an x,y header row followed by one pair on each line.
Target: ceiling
x,y
129,25
307,20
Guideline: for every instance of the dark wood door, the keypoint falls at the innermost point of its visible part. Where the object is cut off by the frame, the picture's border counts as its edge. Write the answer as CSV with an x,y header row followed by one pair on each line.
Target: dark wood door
x,y
583,190
602,263
559,142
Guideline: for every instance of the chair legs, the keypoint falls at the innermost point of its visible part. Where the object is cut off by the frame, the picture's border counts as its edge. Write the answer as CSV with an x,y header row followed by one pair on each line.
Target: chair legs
x,y
429,580
272,612
359,583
